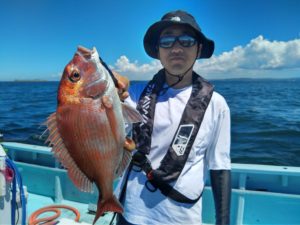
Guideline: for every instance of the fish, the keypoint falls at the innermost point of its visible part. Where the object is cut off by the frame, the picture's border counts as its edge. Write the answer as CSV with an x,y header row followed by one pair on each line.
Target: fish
x,y
87,130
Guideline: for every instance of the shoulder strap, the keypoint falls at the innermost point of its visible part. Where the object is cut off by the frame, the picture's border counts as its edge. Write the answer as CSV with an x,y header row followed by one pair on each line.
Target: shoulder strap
x,y
146,106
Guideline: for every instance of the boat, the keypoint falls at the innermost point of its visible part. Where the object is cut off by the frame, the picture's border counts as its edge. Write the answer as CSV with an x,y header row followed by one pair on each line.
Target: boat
x,y
261,194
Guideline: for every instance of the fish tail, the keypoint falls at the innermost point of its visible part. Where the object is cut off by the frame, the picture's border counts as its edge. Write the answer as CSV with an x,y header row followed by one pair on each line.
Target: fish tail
x,y
112,204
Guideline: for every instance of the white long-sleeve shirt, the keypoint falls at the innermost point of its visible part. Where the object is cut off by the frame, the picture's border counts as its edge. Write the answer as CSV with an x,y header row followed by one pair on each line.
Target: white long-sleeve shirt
x,y
210,151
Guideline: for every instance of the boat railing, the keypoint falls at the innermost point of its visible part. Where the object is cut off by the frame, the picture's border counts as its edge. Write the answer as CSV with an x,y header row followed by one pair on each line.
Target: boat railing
x,y
261,194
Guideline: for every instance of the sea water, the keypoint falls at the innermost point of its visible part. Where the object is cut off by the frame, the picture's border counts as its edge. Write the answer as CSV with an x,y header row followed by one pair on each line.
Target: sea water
x,y
265,116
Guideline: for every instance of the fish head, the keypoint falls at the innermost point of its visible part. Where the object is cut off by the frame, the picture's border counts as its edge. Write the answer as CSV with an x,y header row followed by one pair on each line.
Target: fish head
x,y
83,77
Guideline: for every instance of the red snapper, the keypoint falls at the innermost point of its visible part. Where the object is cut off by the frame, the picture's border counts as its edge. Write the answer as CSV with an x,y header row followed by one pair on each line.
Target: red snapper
x,y
87,131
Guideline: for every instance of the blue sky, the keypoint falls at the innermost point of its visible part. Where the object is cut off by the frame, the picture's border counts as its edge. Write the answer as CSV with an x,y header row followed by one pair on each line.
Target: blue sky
x,y
254,38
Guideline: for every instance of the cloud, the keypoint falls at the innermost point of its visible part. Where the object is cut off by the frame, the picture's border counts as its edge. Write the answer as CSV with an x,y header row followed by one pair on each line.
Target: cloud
x,y
259,56
56,75
136,71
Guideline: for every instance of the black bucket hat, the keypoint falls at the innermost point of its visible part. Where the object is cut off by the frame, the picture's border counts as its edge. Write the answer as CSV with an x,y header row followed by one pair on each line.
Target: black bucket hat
x,y
174,18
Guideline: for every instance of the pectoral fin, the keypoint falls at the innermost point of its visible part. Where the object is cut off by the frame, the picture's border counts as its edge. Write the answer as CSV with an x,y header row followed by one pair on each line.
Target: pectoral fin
x,y
130,114
129,145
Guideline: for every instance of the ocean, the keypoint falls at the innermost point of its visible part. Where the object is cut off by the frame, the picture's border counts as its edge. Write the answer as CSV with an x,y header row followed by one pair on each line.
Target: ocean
x,y
265,116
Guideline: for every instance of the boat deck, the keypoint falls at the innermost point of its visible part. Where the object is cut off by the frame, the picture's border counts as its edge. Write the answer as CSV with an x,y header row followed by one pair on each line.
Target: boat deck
x,y
261,194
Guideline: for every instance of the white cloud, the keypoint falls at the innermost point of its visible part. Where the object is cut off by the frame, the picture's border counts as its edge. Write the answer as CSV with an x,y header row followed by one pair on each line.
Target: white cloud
x,y
56,75
136,71
259,57
259,54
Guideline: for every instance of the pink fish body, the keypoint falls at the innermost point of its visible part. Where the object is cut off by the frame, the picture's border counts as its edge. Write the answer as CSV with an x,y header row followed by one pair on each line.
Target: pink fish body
x,y
87,131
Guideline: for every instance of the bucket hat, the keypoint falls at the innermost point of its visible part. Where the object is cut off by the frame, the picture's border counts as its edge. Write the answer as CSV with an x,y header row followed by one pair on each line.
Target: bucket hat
x,y
178,17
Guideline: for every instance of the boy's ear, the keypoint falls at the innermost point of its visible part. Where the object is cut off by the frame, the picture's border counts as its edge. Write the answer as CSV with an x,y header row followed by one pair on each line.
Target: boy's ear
x,y
199,50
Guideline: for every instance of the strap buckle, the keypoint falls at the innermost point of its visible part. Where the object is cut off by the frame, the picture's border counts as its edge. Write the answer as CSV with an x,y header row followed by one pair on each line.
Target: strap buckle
x,y
142,162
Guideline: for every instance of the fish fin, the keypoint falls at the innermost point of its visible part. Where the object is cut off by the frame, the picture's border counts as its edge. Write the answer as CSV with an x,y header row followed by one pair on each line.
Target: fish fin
x,y
124,163
130,114
60,151
112,204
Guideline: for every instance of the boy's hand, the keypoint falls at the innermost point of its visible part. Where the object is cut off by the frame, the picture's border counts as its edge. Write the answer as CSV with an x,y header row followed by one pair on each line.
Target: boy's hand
x,y
123,84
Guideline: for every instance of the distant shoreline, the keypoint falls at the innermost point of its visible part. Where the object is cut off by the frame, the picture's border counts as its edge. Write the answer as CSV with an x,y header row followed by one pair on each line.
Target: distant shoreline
x,y
33,80
227,79
28,81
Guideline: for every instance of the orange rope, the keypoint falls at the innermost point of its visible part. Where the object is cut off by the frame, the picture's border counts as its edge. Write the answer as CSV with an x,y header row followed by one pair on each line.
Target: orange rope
x,y
33,219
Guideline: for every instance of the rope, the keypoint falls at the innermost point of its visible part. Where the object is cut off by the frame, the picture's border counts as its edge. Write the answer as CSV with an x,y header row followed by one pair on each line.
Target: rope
x,y
51,220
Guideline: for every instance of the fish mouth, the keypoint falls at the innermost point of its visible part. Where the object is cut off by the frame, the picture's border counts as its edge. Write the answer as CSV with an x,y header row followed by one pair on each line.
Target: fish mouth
x,y
85,52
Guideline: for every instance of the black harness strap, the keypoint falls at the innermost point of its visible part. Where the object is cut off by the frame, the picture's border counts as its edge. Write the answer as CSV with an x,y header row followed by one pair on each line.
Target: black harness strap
x,y
140,160
142,131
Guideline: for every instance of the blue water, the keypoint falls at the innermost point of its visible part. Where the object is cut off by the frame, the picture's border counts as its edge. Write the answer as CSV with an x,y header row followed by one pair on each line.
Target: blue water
x,y
265,116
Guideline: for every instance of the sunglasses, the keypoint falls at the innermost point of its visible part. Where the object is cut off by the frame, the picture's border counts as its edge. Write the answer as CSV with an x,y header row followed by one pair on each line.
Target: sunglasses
x,y
169,41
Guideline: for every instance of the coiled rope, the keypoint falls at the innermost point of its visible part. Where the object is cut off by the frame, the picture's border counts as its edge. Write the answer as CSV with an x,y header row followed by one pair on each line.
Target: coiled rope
x,y
51,220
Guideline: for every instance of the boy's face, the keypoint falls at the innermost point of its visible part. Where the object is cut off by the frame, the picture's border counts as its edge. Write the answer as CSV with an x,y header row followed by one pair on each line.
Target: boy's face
x,y
177,59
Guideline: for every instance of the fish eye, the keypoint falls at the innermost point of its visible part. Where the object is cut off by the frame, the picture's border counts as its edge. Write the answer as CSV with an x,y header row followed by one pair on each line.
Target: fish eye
x,y
75,76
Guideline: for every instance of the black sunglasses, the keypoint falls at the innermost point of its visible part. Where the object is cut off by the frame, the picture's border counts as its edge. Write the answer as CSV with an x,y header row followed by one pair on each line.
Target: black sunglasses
x,y
169,41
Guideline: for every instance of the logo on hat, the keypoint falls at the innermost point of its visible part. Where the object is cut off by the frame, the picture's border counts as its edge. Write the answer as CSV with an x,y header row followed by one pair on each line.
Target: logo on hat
x,y
175,18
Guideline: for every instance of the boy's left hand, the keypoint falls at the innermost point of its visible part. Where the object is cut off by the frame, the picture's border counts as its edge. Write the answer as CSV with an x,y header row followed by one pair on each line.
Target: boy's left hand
x,y
123,84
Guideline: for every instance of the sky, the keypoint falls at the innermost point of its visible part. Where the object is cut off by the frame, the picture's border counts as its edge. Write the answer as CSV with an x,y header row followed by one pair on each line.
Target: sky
x,y
253,38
